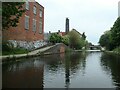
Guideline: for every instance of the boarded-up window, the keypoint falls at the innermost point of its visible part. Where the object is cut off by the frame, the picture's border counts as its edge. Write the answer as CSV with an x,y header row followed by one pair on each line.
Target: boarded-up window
x,y
26,22
41,13
40,29
34,25
34,9
27,5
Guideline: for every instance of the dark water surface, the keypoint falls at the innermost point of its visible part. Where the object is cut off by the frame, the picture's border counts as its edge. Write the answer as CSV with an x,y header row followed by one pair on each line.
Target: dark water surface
x,y
72,70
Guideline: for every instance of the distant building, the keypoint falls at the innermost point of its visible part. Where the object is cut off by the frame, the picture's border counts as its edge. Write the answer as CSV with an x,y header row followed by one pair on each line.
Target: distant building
x,y
61,33
119,9
30,31
47,36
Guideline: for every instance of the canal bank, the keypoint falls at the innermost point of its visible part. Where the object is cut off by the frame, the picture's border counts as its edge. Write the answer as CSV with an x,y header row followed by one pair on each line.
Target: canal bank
x,y
113,52
54,49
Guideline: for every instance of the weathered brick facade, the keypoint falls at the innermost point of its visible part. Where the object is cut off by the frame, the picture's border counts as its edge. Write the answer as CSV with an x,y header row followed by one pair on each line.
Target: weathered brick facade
x,y
30,37
20,33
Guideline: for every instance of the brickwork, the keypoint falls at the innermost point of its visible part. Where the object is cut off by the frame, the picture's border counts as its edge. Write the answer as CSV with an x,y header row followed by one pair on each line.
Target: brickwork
x,y
62,49
59,48
20,33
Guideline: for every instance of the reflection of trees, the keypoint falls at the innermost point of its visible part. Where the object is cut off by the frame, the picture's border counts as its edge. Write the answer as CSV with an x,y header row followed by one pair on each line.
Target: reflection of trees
x,y
23,74
52,62
29,73
111,64
76,61
73,61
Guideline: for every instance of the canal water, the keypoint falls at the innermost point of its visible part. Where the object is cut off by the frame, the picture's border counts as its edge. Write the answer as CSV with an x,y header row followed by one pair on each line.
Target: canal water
x,y
71,70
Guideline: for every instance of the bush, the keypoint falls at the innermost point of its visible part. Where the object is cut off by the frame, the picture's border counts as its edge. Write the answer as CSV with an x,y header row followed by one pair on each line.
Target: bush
x,y
65,40
55,38
117,50
76,40
8,49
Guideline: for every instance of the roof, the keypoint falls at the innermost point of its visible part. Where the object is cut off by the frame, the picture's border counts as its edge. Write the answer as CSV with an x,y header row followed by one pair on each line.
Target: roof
x,y
39,4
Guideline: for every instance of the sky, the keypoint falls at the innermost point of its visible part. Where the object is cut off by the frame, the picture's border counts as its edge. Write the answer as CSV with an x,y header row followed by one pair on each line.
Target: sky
x,y
93,17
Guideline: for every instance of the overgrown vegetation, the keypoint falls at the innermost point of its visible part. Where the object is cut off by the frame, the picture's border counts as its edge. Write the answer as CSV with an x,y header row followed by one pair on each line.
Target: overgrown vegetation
x,y
73,39
111,39
117,50
76,40
55,38
11,12
9,49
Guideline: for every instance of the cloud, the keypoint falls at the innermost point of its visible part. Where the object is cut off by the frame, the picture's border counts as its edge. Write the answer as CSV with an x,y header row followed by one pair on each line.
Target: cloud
x,y
90,16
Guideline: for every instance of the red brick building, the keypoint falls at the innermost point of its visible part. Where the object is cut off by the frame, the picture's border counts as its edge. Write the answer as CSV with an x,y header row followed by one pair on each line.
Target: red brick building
x,y
30,28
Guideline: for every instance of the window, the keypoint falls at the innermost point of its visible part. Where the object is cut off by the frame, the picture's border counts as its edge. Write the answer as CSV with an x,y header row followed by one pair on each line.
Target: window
x,y
40,13
27,5
26,22
40,29
34,10
34,25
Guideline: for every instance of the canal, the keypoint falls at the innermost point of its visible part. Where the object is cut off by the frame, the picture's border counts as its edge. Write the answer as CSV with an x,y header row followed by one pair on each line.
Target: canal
x,y
71,70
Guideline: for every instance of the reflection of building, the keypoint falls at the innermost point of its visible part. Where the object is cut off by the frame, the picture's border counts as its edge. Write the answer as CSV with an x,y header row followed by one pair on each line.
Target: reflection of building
x,y
26,74
67,73
30,29
119,9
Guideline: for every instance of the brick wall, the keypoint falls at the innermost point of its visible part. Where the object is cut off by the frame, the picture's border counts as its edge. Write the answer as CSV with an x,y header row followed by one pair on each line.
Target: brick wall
x,y
58,48
20,33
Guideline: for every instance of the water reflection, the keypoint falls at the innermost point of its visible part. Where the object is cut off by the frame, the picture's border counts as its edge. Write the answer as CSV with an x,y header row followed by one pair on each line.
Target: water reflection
x,y
70,70
23,74
64,67
72,64
111,64
37,72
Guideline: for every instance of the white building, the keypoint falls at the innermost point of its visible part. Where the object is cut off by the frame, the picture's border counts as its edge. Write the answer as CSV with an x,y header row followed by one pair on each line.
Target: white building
x,y
119,9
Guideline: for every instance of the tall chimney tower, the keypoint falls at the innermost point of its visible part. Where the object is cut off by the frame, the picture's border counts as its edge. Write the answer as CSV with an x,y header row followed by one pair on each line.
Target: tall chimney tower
x,y
67,26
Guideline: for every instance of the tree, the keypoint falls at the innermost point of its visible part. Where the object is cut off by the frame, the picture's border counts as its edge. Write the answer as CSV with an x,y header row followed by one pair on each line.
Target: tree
x,y
84,36
65,40
106,40
115,33
75,39
111,39
11,12
55,38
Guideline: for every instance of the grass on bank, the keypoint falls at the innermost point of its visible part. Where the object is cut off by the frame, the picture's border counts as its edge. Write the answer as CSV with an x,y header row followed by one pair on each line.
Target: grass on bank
x,y
14,51
117,50
8,49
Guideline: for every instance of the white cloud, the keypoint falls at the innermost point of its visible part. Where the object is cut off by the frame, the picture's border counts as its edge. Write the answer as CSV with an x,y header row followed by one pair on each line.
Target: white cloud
x,y
90,16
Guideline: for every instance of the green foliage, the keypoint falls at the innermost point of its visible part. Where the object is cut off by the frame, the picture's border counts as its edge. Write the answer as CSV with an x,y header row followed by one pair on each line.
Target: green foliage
x,y
117,50
8,49
111,38
76,40
73,39
68,50
6,46
106,40
55,38
11,12
115,33
65,40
